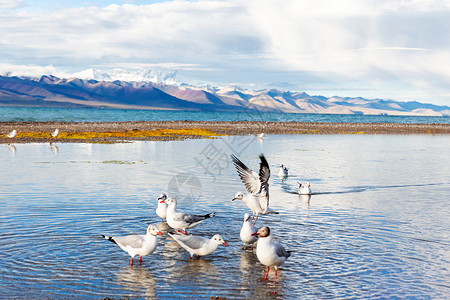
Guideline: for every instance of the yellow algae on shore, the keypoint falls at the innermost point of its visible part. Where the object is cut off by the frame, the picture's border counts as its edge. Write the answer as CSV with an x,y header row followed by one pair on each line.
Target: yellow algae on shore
x,y
138,134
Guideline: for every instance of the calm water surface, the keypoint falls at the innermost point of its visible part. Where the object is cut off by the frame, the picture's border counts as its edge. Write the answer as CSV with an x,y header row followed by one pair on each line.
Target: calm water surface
x,y
22,114
376,226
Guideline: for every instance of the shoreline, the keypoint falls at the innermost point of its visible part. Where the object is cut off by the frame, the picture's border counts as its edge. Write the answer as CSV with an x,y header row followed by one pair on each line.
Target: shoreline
x,y
116,132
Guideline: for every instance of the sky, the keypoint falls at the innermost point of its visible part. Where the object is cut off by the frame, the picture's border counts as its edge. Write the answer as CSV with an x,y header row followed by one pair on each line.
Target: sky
x,y
388,49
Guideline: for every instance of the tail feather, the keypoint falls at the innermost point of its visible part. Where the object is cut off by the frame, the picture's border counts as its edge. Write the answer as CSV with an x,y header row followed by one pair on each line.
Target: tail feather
x,y
109,238
207,216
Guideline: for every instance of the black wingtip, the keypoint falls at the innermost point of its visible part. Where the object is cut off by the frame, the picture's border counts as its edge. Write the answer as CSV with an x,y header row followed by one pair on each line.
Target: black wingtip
x,y
109,238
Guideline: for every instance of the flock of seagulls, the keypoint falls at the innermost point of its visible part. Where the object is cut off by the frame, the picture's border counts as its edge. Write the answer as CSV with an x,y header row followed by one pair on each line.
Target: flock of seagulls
x,y
268,251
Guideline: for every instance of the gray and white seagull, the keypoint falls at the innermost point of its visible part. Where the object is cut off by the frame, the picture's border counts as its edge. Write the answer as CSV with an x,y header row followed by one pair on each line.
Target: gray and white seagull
x,y
257,185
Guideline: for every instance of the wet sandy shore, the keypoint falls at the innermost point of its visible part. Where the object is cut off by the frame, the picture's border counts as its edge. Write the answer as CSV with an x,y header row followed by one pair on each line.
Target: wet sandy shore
x,y
29,132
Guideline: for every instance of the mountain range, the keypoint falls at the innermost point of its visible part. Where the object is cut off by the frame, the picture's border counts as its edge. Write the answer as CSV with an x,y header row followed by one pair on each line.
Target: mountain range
x,y
146,91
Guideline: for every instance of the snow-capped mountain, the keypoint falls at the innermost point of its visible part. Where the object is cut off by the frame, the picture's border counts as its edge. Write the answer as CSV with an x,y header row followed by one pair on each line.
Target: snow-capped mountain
x,y
150,90
140,75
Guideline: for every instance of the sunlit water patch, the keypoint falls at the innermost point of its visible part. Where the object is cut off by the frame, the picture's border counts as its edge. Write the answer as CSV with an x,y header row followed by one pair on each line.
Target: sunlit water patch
x,y
376,225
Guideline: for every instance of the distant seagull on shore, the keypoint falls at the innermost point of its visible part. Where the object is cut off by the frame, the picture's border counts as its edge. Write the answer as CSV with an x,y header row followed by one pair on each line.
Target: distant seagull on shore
x,y
55,133
269,252
257,198
260,136
12,135
141,245
161,210
198,245
283,172
304,188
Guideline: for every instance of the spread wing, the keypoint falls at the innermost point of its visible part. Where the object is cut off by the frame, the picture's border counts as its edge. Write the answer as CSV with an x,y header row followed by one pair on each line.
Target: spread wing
x,y
250,179
134,241
191,241
264,175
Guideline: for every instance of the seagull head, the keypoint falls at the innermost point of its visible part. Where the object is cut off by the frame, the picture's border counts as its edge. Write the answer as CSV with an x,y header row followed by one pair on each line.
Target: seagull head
x,y
263,232
219,240
171,201
153,230
162,197
238,196
246,217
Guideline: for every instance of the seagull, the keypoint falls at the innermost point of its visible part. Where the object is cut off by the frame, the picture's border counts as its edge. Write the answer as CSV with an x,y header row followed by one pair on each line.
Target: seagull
x,y
161,210
260,136
55,133
283,172
247,230
304,188
182,221
269,252
198,245
12,134
257,198
141,245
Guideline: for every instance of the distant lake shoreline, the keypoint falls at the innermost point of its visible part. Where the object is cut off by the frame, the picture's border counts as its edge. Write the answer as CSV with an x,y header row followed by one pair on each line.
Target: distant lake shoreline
x,y
45,114
116,132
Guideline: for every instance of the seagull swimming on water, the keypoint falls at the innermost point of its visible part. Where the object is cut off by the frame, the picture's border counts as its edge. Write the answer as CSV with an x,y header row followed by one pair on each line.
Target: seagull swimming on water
x,y
257,185
182,221
198,245
304,188
283,172
269,252
141,245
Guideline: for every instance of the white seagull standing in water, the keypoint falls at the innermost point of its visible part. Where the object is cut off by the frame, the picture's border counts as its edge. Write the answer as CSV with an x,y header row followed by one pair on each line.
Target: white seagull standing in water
x,y
55,133
257,186
304,188
283,172
269,252
161,210
182,221
12,135
247,231
141,245
198,245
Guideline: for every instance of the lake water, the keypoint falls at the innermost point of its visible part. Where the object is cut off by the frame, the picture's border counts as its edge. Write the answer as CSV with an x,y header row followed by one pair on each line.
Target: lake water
x,y
20,114
377,225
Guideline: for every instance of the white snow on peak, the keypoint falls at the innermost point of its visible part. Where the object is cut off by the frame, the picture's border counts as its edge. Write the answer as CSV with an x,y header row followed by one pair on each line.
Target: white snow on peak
x,y
140,75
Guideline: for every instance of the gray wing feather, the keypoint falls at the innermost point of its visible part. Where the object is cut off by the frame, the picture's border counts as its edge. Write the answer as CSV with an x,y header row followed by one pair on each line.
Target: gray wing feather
x,y
192,241
264,175
250,179
281,251
134,241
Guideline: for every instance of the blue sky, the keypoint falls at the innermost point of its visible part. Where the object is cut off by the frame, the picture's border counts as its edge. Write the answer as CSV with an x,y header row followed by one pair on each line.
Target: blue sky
x,y
375,49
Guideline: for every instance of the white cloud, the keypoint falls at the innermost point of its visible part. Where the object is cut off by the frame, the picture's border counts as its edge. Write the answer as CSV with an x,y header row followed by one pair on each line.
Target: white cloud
x,y
355,45
10,4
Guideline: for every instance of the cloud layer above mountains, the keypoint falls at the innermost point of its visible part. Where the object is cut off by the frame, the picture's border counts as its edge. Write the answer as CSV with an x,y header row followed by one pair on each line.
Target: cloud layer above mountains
x,y
385,49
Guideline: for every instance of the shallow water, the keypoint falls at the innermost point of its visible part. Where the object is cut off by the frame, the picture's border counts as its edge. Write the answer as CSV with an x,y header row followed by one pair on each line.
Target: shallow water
x,y
376,226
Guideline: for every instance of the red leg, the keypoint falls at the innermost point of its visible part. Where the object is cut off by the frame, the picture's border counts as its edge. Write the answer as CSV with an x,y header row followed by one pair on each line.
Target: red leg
x,y
140,259
276,272
131,263
185,232
267,273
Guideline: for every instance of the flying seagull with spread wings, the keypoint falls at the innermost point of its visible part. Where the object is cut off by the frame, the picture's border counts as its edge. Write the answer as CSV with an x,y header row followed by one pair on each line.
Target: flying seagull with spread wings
x,y
257,185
